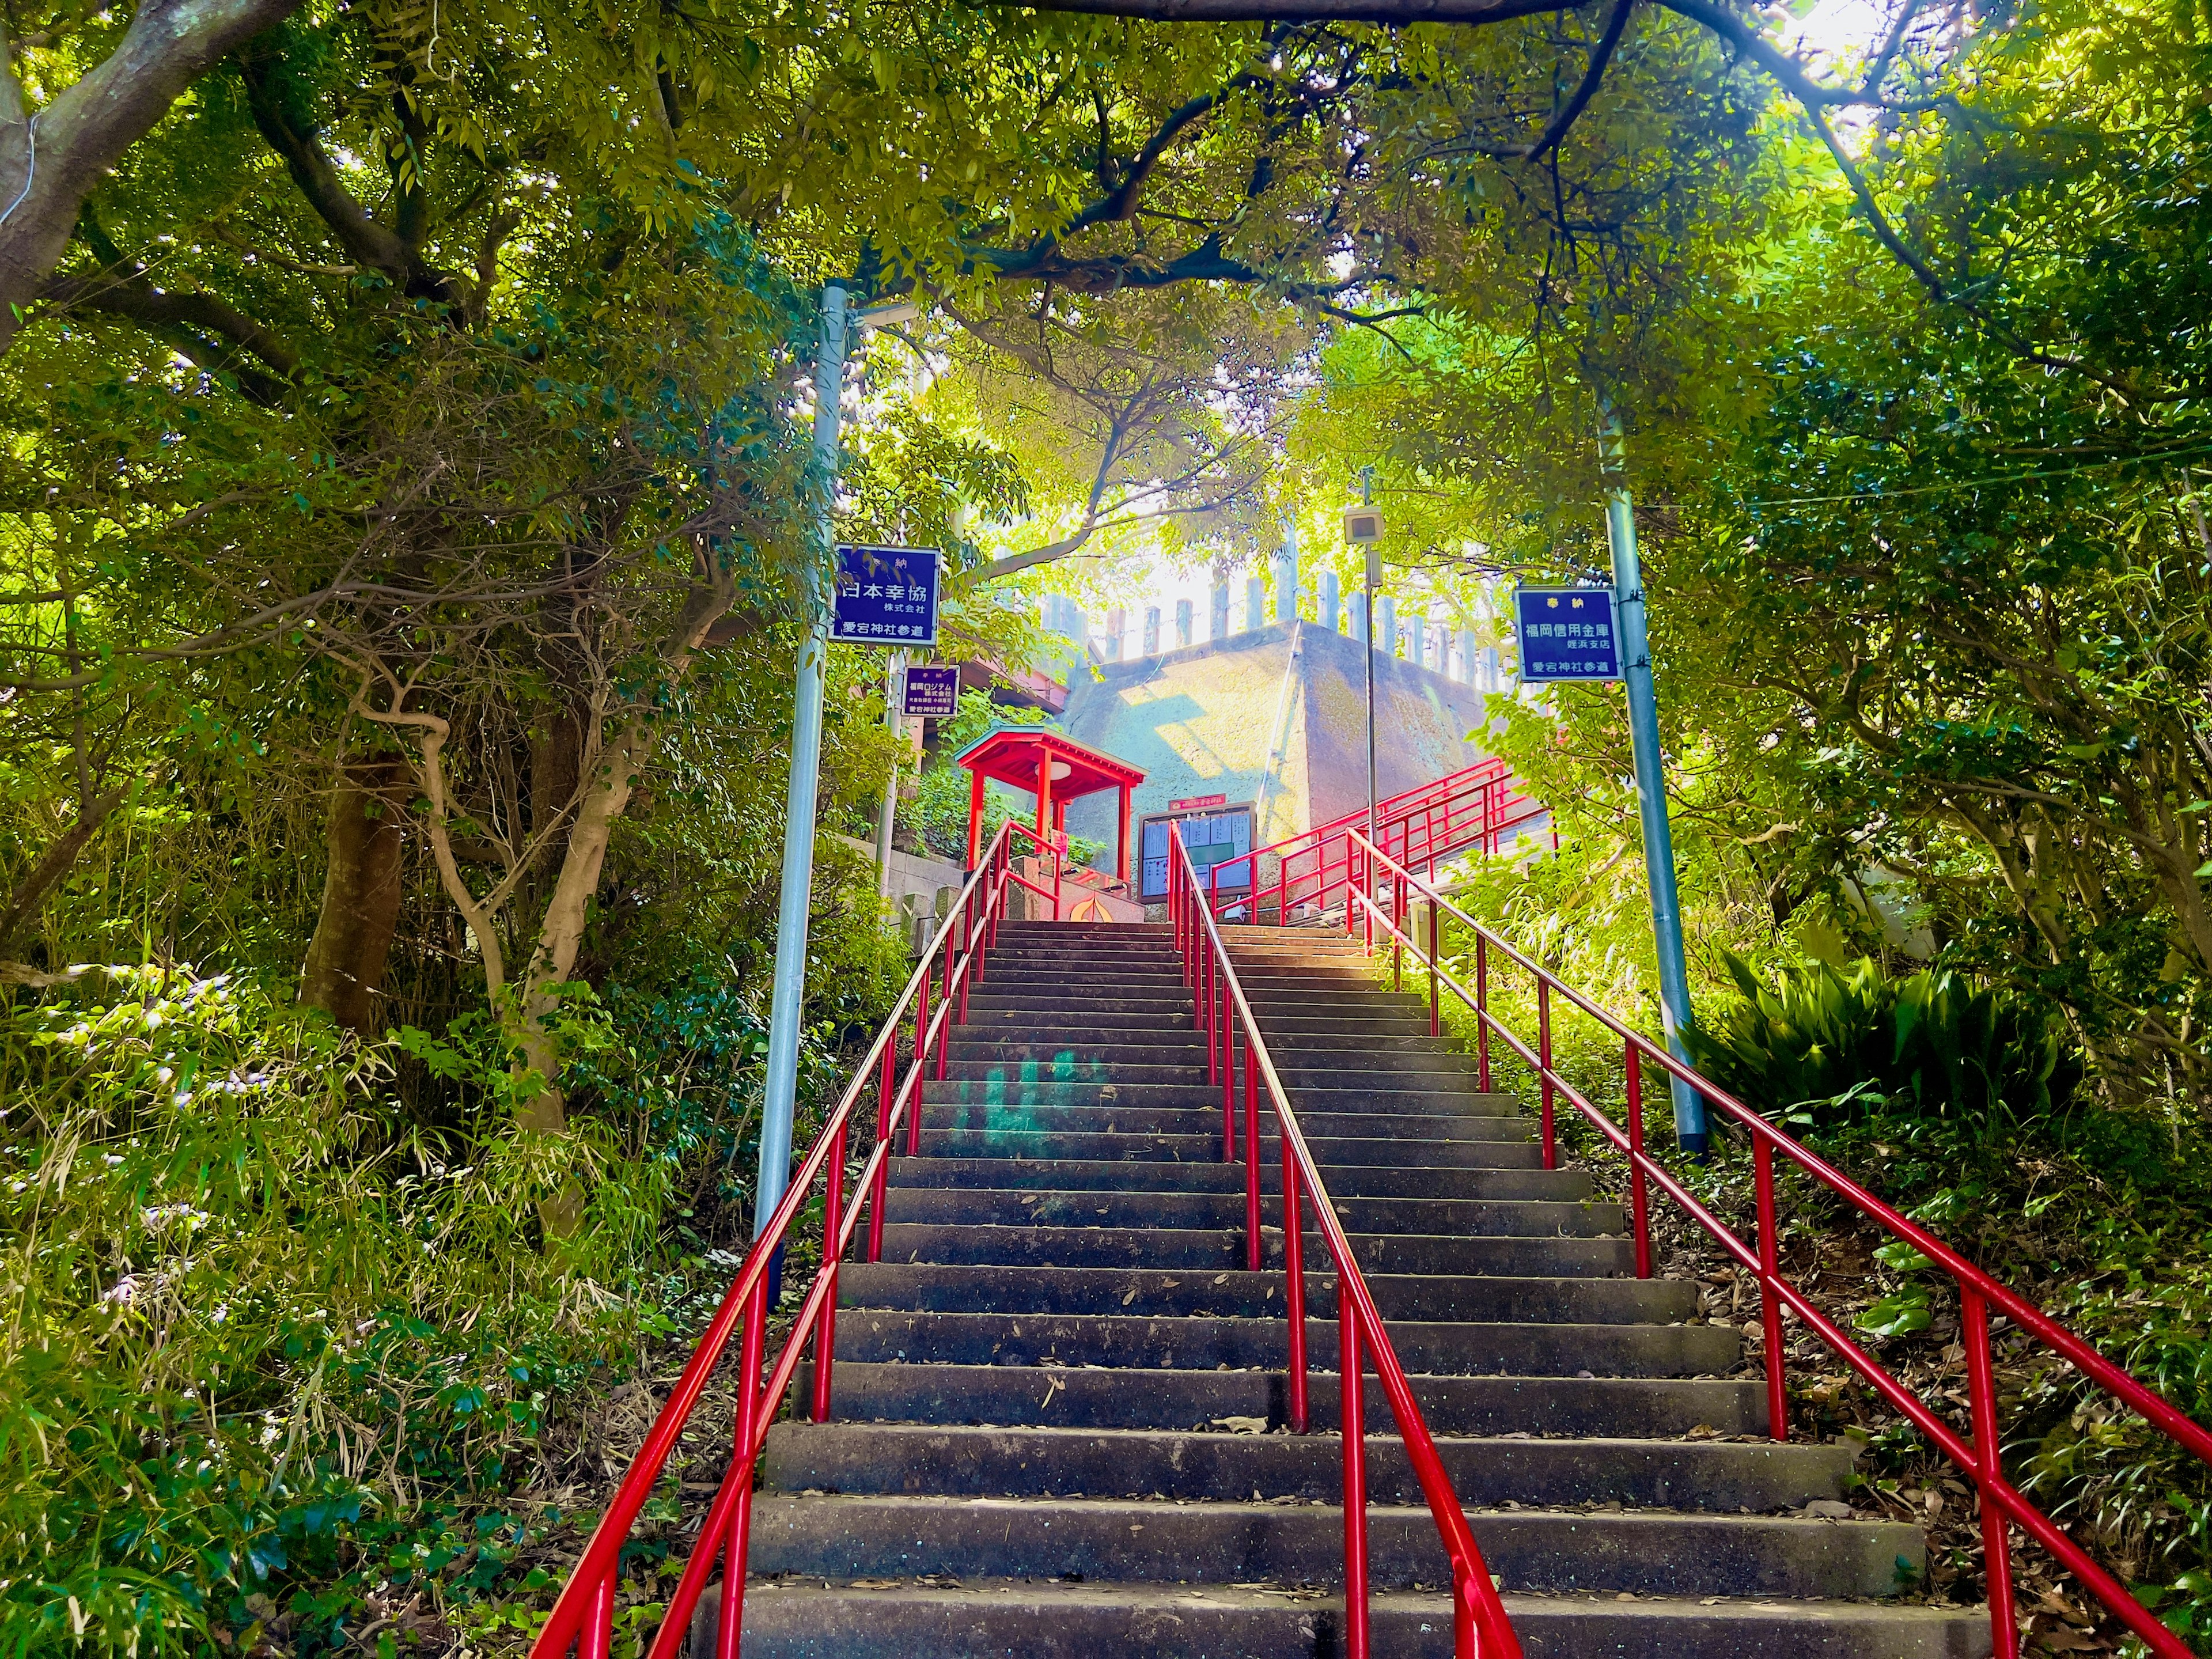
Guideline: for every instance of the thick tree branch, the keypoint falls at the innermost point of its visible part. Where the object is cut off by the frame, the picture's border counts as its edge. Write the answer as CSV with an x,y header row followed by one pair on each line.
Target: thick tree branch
x,y
186,320
364,239
51,164
1600,56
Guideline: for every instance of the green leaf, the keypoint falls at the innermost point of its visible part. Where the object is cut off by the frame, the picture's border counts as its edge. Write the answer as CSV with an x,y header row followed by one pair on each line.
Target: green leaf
x,y
1903,1257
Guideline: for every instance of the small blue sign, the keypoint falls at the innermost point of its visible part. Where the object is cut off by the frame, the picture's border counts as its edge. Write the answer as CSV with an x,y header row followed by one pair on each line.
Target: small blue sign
x,y
1567,634
885,596
933,692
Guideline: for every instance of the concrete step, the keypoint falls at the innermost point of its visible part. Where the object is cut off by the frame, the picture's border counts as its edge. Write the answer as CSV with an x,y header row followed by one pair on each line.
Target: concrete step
x,y
1170,1249
1238,1295
1015,1121
1727,1476
1398,1101
1012,1119
1056,1069
1640,1408
1452,1218
1078,1053
1116,1541
1461,1348
1204,1147
997,995
797,1618
1120,1175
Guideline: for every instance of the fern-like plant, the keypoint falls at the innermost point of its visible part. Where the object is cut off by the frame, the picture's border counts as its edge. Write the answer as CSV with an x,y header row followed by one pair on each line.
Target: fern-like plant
x,y
1824,1044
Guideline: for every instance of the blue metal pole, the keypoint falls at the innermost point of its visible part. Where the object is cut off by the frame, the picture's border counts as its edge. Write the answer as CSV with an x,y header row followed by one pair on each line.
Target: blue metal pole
x,y
1651,770
779,1089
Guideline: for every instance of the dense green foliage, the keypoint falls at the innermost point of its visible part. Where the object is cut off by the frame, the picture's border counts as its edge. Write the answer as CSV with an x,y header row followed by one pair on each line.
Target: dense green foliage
x,y
1825,1042
406,524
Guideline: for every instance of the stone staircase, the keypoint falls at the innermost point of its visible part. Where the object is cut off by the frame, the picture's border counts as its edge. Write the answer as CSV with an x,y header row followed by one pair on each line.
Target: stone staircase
x,y
1060,1342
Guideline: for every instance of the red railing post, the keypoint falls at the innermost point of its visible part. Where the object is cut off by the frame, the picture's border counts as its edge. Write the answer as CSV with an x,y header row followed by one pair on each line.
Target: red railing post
x,y
978,929
825,1335
730,1616
876,1187
1436,1013
921,1036
1397,934
1350,1366
1544,1068
1294,1286
1640,1198
1769,1295
1482,1012
920,1091
1251,1156
1228,1086
945,1027
1367,892
1996,1537
1205,1001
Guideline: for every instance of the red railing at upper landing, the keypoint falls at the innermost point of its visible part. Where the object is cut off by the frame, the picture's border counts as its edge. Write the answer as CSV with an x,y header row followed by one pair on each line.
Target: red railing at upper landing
x,y
1477,807
935,999
1385,892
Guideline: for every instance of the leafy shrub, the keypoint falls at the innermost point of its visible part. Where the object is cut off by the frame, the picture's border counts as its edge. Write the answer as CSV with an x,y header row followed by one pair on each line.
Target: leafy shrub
x,y
275,1347
1931,1044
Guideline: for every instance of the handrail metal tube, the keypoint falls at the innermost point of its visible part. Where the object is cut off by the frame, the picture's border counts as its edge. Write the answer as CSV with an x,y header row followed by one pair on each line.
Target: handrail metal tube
x,y
1351,1385
603,1550
1996,1537
1639,1194
875,1189
1251,1154
2162,1412
1544,1048
598,1630
825,1337
1436,1013
1294,1290
1228,1078
1777,1293
1479,1615
734,1492
730,1619
1770,1304
1482,1012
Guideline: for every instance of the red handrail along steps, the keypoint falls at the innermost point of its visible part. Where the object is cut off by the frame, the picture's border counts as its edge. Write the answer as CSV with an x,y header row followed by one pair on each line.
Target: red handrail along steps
x,y
1385,892
1064,1414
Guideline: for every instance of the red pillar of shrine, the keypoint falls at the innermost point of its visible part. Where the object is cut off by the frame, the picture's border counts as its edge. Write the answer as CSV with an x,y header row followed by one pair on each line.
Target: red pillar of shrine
x,y
1121,840
975,818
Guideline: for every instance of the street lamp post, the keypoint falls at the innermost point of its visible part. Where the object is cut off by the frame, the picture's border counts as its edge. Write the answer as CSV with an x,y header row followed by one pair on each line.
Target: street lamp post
x,y
1650,771
779,1084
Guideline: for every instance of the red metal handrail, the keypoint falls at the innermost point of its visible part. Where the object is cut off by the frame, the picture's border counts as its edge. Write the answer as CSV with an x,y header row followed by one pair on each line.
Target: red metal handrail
x,y
1979,1292
1479,1625
1475,807
584,1614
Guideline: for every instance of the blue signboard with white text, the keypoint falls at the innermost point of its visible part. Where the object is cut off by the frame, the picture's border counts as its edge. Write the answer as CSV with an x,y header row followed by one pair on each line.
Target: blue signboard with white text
x,y
933,691
1567,634
885,596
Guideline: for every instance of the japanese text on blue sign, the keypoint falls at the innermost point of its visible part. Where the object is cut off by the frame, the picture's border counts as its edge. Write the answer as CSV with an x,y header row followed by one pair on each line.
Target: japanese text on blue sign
x,y
885,596
933,693
1566,633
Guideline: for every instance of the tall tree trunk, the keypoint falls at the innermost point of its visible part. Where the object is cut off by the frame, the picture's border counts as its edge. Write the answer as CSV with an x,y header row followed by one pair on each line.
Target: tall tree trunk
x,y
351,948
561,934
